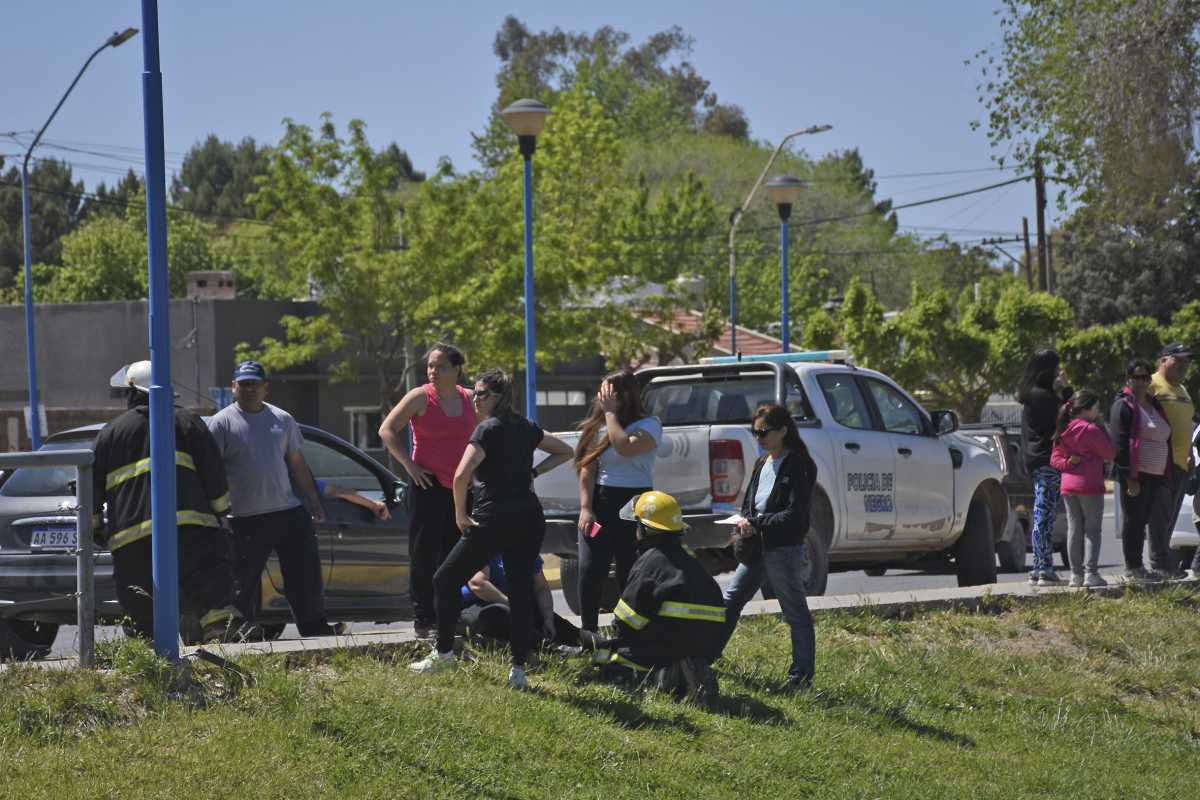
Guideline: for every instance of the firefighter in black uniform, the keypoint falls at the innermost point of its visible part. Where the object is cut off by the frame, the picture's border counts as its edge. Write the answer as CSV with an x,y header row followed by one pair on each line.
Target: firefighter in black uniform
x,y
671,614
122,480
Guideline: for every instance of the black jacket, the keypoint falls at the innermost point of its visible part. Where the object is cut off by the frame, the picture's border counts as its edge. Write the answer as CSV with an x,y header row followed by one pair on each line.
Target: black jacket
x,y
671,607
122,475
789,507
1039,419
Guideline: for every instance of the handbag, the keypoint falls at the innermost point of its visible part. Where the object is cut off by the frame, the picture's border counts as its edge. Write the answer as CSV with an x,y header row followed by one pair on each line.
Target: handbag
x,y
748,550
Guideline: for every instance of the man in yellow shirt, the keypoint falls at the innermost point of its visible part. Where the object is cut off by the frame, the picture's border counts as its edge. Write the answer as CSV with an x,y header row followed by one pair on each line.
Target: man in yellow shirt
x,y
1167,386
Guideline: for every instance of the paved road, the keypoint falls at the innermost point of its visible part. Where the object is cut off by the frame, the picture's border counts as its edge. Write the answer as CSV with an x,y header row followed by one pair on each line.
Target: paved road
x,y
840,583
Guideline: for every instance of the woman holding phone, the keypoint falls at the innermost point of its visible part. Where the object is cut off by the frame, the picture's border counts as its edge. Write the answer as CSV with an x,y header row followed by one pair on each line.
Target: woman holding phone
x,y
615,460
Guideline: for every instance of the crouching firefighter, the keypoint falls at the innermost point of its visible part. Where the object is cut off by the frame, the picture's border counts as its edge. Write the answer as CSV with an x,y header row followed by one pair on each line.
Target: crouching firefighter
x,y
671,615
122,481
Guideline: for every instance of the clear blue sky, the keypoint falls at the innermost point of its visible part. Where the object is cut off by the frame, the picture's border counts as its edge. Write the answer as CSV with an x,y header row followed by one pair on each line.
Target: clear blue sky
x,y
890,78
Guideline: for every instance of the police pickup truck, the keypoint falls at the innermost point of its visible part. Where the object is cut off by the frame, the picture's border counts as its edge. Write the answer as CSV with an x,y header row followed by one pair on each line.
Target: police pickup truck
x,y
896,485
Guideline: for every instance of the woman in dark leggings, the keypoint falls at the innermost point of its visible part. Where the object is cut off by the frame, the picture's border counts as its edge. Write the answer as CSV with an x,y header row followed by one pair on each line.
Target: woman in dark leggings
x,y
506,519
615,460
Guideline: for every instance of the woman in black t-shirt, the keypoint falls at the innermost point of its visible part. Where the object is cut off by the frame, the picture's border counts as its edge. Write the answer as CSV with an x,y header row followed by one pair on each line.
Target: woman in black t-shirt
x,y
506,518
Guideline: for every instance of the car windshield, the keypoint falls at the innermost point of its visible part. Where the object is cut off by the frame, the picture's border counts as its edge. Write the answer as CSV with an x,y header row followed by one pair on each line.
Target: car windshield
x,y
45,481
699,401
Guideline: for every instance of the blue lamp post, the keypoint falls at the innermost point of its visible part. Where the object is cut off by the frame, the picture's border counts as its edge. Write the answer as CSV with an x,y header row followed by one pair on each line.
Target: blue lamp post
x,y
527,118
784,191
35,424
164,534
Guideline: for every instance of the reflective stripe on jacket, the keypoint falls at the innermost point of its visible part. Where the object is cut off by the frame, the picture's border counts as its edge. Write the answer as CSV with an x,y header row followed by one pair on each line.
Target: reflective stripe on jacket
x,y
122,475
671,607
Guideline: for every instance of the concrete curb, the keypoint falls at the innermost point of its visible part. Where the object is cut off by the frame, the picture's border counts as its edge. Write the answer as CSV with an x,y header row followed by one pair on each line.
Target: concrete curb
x,y
890,605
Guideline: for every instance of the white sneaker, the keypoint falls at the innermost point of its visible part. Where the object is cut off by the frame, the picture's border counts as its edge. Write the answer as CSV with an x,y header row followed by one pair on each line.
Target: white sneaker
x,y
1049,578
1076,581
517,679
434,663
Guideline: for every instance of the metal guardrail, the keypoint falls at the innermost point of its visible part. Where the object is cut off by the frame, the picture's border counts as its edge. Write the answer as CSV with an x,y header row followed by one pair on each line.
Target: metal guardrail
x,y
85,584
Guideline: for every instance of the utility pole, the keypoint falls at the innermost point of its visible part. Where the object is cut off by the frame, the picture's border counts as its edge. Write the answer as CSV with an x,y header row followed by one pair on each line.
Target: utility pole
x,y
1050,282
1039,180
1028,254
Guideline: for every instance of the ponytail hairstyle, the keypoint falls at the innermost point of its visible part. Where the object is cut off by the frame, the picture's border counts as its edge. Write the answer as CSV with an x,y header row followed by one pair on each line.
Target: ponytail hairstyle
x,y
1080,401
499,383
775,416
452,354
629,410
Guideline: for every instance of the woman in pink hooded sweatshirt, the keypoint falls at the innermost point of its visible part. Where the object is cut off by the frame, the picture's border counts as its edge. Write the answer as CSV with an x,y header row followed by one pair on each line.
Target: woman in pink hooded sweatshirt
x,y
1081,447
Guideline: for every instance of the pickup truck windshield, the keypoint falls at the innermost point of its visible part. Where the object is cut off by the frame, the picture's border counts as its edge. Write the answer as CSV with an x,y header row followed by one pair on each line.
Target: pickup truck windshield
x,y
696,400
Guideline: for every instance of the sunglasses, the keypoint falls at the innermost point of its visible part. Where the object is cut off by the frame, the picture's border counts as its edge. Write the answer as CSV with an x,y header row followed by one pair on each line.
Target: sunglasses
x,y
761,433
480,396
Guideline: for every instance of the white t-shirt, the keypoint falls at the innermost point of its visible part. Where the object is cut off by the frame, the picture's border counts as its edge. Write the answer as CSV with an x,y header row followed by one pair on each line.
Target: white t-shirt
x,y
1155,432
631,472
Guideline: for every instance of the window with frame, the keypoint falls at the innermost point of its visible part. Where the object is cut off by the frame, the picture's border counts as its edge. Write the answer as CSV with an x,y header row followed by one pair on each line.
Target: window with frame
x,y
364,427
899,414
338,468
845,400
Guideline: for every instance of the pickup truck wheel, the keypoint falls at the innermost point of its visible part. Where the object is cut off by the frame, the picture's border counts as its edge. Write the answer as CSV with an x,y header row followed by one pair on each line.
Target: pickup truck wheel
x,y
816,570
568,576
21,640
975,550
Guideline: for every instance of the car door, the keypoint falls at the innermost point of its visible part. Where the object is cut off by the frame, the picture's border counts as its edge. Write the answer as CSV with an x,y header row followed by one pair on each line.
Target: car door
x,y
924,483
865,457
368,557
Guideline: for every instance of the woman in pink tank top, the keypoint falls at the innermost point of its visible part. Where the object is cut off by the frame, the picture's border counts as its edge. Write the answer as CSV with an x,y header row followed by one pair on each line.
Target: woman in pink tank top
x,y
441,419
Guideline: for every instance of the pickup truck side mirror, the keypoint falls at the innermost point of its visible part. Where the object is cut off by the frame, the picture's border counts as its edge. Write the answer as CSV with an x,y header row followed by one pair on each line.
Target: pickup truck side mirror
x,y
944,422
399,494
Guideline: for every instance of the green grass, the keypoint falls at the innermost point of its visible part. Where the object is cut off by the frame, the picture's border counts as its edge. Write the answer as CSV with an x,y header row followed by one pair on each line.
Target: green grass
x,y
1072,696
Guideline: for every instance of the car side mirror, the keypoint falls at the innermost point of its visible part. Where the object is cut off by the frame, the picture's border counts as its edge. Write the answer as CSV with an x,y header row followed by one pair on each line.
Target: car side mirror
x,y
399,493
944,421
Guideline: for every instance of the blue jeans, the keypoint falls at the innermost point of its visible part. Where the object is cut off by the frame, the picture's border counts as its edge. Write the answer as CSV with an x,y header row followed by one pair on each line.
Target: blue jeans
x,y
1046,482
784,567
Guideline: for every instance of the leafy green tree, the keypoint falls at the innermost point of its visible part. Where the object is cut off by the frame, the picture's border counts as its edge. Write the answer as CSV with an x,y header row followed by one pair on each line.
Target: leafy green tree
x,y
1096,357
333,213
1104,90
113,202
1109,272
217,177
54,203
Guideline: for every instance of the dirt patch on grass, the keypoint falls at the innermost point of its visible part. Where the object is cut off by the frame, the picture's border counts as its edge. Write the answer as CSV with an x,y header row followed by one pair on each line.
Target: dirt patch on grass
x,y
1026,641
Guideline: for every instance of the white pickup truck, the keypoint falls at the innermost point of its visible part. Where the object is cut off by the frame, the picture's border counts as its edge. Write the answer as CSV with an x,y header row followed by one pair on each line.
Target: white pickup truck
x,y
896,485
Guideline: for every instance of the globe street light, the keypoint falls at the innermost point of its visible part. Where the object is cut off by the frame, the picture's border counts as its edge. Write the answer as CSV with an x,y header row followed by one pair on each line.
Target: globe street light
x,y
527,118
35,425
784,191
736,217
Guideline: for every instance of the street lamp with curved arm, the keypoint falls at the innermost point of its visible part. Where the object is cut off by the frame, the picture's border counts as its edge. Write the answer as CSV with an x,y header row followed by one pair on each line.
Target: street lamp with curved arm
x,y
736,217
35,426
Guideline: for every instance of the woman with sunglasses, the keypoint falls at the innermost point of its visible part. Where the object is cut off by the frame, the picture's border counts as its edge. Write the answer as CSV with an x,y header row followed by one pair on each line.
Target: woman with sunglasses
x,y
615,460
776,511
1142,439
506,519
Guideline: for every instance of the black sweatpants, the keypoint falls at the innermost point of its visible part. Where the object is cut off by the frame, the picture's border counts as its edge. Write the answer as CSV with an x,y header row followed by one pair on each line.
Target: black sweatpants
x,y
517,535
205,576
492,621
289,534
1135,515
432,534
617,540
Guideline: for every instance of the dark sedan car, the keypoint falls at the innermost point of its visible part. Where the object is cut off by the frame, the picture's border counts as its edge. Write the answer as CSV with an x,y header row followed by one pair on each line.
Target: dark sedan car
x,y
365,559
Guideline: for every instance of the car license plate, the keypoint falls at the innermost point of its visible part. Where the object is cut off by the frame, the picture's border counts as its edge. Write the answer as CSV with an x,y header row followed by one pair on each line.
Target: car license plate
x,y
58,538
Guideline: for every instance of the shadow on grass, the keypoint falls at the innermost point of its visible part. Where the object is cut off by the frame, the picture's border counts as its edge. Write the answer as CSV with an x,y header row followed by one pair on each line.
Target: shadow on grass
x,y
629,714
889,717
